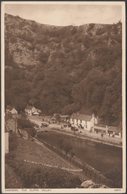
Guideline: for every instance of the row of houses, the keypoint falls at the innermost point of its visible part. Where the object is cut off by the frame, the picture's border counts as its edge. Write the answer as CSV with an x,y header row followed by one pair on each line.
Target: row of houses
x,y
29,110
80,121
91,123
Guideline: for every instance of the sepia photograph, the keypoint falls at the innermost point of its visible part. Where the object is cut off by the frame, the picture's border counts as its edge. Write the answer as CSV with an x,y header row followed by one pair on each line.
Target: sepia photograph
x,y
63,97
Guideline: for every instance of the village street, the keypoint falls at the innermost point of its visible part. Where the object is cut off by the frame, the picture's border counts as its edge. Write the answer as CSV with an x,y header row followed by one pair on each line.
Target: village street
x,y
84,134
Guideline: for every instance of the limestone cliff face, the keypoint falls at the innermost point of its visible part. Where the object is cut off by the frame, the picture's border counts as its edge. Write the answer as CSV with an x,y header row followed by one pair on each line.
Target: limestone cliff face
x,y
29,42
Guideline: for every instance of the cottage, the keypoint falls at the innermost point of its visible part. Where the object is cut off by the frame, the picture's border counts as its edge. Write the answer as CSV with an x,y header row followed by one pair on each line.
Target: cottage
x,y
31,110
36,111
84,121
11,110
28,110
14,111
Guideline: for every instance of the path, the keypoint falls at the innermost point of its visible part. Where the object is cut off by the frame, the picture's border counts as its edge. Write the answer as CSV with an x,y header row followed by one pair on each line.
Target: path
x,y
52,166
86,135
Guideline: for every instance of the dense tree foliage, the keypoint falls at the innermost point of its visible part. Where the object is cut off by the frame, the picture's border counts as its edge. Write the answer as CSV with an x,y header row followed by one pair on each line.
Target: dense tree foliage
x,y
24,123
64,69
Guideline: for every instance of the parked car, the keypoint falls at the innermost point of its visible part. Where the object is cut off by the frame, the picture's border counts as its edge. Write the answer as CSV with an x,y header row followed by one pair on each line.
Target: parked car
x,y
74,128
44,124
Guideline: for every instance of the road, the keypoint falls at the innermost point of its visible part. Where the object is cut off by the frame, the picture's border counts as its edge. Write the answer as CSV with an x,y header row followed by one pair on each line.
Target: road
x,y
113,141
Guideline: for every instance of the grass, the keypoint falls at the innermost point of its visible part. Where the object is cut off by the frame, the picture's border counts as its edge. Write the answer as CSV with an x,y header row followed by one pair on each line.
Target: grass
x,y
29,150
37,176
11,178
22,174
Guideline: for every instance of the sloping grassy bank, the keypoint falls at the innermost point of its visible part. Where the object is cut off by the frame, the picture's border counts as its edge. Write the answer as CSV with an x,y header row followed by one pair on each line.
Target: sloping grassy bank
x,y
39,171
37,176
102,160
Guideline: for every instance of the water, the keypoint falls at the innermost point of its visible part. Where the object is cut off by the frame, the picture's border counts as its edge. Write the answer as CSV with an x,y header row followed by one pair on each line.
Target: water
x,y
107,159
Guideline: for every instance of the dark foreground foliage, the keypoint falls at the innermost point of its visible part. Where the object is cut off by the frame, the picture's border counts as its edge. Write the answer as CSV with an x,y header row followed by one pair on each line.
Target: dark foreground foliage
x,y
37,176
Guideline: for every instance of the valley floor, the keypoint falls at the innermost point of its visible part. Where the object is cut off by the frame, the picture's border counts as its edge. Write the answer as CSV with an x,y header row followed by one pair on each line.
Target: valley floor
x,y
117,142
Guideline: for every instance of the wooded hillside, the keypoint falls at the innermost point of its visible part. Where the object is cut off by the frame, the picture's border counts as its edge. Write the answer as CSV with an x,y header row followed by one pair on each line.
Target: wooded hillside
x,y
64,69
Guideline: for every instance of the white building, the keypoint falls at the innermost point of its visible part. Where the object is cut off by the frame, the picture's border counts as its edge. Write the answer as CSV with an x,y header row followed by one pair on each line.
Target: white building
x,y
11,110
31,110
84,121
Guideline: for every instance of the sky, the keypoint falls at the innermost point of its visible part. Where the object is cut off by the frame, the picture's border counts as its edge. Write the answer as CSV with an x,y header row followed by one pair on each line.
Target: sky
x,y
66,14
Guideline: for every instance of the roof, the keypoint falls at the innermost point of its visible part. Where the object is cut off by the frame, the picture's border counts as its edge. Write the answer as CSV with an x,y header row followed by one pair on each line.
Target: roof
x,y
38,110
14,111
101,127
64,116
113,128
81,116
29,107
35,113
9,108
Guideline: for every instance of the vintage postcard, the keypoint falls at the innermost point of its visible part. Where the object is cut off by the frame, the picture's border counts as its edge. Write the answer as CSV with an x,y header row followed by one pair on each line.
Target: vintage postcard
x,y
63,97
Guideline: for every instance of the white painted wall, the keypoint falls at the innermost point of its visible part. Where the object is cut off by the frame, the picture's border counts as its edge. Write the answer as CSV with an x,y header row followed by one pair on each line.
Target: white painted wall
x,y
79,122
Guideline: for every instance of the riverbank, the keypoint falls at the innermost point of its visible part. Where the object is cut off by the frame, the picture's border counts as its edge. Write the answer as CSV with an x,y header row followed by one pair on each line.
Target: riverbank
x,y
88,137
92,137
29,158
104,158
37,165
85,169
